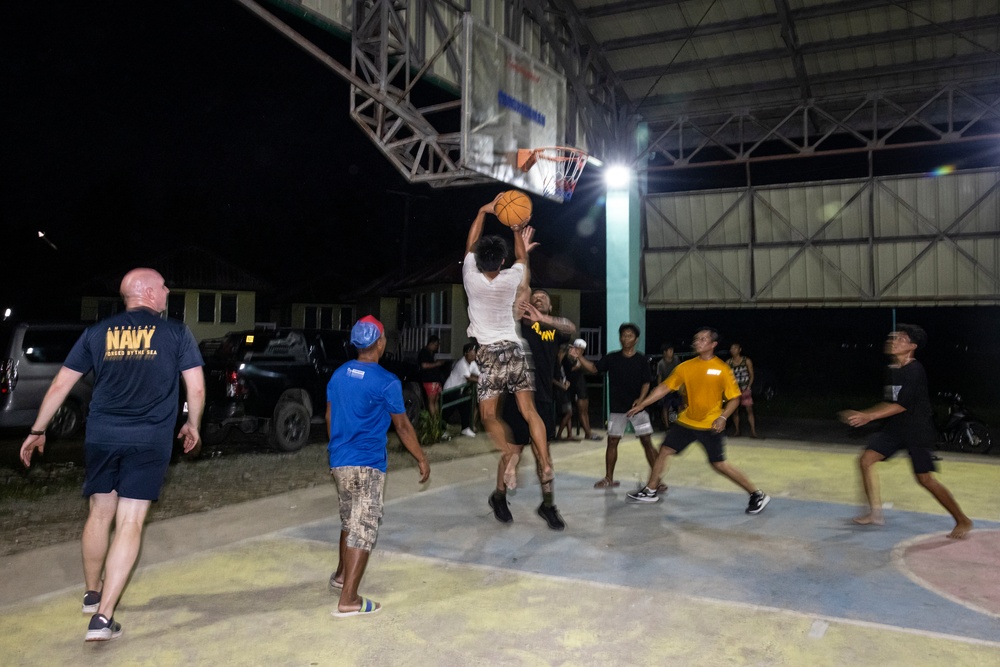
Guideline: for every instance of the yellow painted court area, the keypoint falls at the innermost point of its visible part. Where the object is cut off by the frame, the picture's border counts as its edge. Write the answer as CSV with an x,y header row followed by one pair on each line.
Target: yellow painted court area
x,y
824,473
262,599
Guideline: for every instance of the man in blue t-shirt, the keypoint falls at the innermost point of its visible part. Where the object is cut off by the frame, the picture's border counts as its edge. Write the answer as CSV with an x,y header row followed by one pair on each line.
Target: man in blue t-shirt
x,y
361,399
137,358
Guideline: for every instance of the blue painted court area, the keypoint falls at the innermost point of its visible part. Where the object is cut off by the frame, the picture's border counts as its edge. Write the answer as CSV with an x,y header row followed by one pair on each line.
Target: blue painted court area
x,y
803,556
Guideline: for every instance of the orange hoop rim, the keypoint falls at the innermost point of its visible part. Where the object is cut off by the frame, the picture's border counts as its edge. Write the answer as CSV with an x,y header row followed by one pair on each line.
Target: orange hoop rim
x,y
526,157
564,166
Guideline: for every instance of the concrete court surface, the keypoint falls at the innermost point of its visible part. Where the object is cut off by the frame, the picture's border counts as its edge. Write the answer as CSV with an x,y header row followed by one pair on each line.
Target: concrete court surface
x,y
691,580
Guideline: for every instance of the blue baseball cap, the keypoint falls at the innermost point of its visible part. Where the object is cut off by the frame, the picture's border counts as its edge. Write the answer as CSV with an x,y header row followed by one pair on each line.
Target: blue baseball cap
x,y
366,331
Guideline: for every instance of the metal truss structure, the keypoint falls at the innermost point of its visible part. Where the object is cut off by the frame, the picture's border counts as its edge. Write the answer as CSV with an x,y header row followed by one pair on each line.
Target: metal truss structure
x,y
864,123
392,58
398,45
389,65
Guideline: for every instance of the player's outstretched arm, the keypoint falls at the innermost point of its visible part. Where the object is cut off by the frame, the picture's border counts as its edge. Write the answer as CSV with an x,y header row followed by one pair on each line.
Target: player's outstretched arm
x,y
404,429
523,235
877,411
476,230
560,324
577,354
643,391
658,392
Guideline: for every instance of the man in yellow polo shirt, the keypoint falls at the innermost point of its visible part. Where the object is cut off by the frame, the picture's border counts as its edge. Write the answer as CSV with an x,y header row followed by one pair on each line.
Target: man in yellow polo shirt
x,y
708,380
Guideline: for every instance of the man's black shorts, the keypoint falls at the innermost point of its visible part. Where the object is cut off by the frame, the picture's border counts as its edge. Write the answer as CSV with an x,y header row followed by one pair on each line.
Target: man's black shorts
x,y
680,436
134,472
519,427
921,455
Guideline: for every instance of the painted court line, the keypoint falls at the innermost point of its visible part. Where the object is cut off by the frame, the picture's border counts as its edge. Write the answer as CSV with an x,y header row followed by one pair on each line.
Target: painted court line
x,y
899,560
799,554
730,604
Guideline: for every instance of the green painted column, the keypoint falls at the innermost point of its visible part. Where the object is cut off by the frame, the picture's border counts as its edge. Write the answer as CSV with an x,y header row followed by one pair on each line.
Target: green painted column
x,y
624,259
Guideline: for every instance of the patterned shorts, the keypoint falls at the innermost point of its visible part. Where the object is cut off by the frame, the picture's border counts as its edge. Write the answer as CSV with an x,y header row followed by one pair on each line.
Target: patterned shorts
x,y
503,368
360,489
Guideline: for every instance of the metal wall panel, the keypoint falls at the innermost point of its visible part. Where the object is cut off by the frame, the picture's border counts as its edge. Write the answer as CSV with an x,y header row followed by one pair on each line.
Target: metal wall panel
x,y
915,240
828,211
720,218
700,279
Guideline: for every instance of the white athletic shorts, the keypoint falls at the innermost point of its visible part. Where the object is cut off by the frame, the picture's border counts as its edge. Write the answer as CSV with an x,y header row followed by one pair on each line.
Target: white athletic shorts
x,y
640,424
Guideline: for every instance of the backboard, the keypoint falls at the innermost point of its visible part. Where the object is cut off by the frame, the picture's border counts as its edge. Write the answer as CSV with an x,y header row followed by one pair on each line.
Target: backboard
x,y
510,100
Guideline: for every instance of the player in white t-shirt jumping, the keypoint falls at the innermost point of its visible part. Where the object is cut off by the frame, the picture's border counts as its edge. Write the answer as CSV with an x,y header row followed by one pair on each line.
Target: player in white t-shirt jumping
x,y
492,291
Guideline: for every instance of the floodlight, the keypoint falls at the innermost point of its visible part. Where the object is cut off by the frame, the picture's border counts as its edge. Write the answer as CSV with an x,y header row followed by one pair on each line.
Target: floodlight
x,y
617,176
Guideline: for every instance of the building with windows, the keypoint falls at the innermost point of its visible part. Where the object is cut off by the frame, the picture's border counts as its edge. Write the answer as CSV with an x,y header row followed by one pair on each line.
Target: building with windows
x,y
209,294
315,304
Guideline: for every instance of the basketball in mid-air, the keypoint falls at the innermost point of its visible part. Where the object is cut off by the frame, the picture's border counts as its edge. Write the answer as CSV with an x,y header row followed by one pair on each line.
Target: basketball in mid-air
x,y
513,208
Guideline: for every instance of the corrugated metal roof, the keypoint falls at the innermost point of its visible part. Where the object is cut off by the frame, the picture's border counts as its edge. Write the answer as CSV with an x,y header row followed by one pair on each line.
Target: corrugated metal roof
x,y
710,65
700,56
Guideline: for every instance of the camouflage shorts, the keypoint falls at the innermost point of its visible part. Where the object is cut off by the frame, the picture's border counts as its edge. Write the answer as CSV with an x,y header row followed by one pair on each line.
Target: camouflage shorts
x,y
360,489
503,368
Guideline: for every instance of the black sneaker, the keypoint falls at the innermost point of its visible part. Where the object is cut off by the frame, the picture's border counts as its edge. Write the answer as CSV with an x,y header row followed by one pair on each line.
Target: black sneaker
x,y
102,629
758,501
643,495
498,501
91,602
551,516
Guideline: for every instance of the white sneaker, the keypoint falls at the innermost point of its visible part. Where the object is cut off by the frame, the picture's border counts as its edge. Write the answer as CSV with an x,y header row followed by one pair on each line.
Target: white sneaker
x,y
468,432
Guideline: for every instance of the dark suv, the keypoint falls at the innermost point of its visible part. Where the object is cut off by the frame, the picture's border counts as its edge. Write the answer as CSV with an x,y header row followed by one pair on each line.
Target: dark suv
x,y
30,356
274,381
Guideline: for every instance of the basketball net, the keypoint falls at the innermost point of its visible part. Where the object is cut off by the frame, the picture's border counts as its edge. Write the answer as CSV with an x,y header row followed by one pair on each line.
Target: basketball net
x,y
560,168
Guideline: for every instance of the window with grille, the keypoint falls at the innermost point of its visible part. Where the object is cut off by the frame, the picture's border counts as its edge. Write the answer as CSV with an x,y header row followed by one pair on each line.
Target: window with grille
x,y
227,309
175,306
206,307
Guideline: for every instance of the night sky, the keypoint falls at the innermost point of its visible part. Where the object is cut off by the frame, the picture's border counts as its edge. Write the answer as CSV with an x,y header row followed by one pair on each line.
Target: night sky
x,y
133,128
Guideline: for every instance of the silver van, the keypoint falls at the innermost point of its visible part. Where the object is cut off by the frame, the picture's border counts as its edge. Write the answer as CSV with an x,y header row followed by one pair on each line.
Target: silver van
x,y
30,357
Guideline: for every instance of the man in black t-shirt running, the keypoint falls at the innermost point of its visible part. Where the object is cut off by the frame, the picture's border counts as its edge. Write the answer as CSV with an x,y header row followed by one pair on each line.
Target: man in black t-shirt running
x,y
906,409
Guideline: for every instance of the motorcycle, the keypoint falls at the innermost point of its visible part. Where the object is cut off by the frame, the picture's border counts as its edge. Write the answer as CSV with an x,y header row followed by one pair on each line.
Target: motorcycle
x,y
962,430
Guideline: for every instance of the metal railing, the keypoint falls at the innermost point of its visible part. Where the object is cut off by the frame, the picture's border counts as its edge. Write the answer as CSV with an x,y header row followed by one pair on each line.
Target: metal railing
x,y
412,339
593,336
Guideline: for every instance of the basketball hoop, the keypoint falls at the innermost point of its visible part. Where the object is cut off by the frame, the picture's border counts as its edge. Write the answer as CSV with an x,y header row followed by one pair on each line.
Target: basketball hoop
x,y
560,168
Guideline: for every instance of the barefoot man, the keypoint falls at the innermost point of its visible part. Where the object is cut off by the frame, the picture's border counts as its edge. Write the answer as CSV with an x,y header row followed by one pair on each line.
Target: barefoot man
x,y
906,409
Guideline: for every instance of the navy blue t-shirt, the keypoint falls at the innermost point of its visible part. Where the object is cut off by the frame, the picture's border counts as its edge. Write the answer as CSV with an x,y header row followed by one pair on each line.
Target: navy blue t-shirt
x,y
137,358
